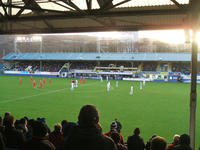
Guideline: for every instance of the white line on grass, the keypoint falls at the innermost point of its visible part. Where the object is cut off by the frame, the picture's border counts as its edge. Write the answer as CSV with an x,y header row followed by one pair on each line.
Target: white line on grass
x,y
25,97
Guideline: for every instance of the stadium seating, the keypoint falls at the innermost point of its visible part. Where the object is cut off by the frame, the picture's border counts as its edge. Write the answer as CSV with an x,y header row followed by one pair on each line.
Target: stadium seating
x,y
142,56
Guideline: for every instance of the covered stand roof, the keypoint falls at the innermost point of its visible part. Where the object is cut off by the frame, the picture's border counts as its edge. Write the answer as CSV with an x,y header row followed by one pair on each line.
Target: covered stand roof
x,y
58,16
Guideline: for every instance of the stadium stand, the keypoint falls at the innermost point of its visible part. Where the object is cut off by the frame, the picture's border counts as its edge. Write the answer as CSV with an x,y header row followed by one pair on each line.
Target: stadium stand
x,y
152,66
142,56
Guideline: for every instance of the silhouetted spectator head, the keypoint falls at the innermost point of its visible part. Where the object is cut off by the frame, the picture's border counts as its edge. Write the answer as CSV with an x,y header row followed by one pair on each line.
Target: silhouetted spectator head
x,y
184,139
68,128
43,120
63,123
176,139
9,121
27,118
116,137
158,143
137,131
153,136
23,121
88,116
57,127
1,121
6,114
30,123
113,126
39,129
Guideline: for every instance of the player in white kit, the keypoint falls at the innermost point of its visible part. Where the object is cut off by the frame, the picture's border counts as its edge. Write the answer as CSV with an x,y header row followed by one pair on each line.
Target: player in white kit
x,y
144,82
72,85
131,91
140,85
76,85
108,86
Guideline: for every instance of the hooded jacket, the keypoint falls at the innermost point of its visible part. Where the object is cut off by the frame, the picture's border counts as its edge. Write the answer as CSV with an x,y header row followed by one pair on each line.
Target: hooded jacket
x,y
87,138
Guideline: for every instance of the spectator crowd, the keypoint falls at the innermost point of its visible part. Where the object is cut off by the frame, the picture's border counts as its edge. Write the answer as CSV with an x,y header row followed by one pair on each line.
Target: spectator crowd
x,y
86,134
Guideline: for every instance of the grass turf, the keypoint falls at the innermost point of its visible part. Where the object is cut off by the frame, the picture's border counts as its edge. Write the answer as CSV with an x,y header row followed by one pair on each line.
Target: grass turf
x,y
160,108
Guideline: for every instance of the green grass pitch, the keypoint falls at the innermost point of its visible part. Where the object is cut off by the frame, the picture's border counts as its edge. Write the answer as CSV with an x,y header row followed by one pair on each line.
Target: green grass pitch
x,y
160,108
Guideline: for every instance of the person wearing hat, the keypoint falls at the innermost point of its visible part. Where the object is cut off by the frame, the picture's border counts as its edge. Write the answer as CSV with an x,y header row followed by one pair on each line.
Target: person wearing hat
x,y
184,143
113,128
39,140
175,142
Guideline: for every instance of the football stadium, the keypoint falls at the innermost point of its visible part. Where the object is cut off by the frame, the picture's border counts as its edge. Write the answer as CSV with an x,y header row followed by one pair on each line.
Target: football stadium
x,y
77,87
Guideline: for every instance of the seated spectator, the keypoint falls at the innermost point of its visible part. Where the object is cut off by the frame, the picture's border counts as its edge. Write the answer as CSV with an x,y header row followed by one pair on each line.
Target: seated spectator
x,y
184,143
56,136
113,128
135,142
158,143
175,142
39,140
119,126
14,138
1,125
29,126
116,138
88,134
148,144
2,144
44,121
5,115
68,128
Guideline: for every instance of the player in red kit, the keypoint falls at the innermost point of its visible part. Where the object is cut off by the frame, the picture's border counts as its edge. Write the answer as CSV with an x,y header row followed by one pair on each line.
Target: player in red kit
x,y
80,80
49,80
41,83
44,80
83,80
31,78
20,79
34,83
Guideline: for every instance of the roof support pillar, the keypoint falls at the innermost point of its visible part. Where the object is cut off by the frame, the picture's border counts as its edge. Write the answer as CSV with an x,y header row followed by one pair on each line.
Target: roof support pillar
x,y
193,93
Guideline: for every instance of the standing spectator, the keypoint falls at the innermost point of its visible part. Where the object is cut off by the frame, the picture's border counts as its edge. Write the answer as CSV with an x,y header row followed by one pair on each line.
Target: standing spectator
x,y
158,143
184,143
135,142
88,134
113,128
116,138
56,136
175,142
39,139
14,138
119,126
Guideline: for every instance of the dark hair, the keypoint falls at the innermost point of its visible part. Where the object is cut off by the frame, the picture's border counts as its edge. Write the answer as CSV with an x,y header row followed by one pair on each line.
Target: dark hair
x,y
158,143
57,127
39,129
116,137
8,121
6,114
23,120
184,139
88,116
1,121
64,122
137,131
